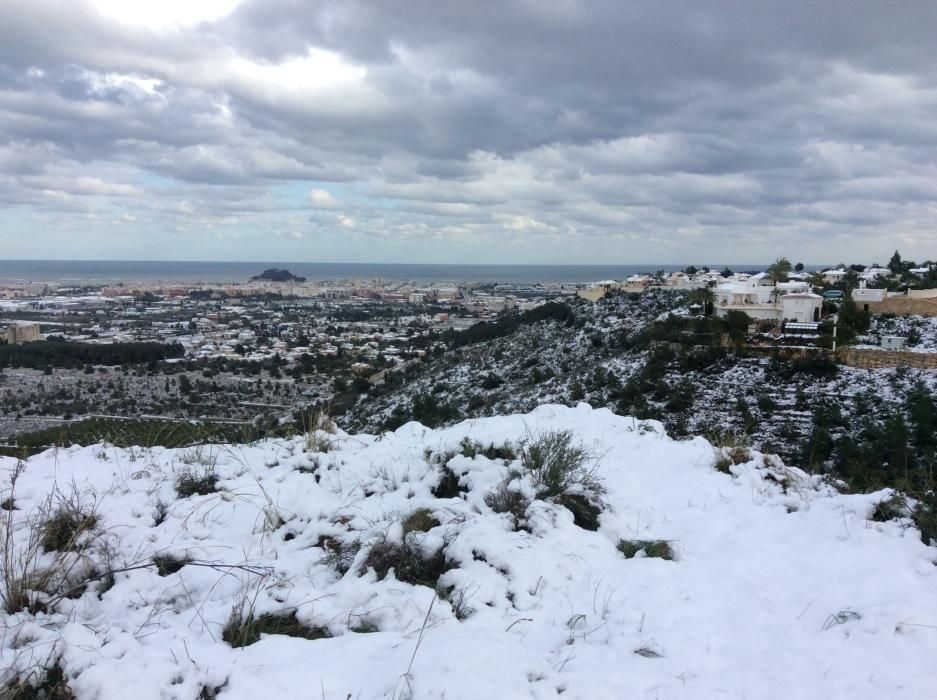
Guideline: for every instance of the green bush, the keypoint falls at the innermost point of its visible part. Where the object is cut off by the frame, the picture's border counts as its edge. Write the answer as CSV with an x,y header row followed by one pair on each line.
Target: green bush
x,y
925,517
660,549
448,486
585,512
556,465
408,562
243,630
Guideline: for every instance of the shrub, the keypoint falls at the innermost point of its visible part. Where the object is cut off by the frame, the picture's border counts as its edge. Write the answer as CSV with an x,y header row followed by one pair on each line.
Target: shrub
x,y
448,486
472,448
408,562
556,465
39,684
766,404
727,437
505,452
167,564
191,482
660,549
420,520
31,578
892,508
723,463
925,517
316,441
338,555
506,499
457,598
63,531
365,626
160,511
731,448
491,381
243,630
585,512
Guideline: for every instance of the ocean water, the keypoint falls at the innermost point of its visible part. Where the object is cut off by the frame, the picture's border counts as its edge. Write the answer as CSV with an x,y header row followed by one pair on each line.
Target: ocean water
x,y
114,271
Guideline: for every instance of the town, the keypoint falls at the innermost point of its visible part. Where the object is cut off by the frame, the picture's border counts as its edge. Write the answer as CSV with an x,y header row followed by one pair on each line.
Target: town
x,y
255,353
242,353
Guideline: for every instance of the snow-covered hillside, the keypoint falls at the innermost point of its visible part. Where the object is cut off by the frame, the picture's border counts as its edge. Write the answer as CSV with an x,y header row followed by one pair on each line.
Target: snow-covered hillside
x,y
438,564
537,363
598,357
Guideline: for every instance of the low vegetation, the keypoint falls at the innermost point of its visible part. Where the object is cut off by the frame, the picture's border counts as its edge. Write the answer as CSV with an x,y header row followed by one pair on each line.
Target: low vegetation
x,y
130,433
39,684
66,529
557,464
420,520
167,564
660,549
196,481
407,559
244,628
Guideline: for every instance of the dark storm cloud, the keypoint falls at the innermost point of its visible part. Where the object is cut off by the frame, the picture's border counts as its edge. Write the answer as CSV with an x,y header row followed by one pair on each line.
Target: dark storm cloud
x,y
590,123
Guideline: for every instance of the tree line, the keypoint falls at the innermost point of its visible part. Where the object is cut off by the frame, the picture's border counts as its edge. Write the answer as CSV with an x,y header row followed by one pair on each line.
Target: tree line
x,y
73,355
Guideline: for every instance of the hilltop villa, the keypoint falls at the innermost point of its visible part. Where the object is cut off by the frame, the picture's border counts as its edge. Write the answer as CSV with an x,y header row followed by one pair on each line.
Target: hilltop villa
x,y
759,297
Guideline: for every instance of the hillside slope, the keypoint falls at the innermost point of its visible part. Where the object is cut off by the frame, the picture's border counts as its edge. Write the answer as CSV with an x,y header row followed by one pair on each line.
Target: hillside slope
x,y
606,354
436,564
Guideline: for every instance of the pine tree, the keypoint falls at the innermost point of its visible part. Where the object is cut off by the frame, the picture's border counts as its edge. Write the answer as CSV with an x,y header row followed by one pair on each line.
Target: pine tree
x,y
894,265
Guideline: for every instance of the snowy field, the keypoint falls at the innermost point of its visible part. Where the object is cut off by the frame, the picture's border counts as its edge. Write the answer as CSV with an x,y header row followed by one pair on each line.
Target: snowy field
x,y
776,586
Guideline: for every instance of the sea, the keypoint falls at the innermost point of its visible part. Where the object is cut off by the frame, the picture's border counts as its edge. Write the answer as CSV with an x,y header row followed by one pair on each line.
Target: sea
x,y
106,272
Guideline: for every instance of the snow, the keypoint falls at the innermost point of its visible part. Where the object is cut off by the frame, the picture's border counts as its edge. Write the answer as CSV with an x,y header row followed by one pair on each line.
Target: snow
x,y
770,565
920,331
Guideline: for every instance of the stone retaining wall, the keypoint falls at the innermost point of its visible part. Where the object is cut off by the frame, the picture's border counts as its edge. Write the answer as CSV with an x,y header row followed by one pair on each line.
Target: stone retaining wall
x,y
877,359
901,306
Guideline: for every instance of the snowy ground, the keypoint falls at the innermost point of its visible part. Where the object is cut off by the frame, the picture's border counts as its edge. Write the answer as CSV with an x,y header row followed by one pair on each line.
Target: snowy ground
x,y
919,332
780,587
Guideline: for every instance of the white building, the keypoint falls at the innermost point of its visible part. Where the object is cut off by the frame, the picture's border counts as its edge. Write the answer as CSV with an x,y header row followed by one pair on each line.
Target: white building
x,y
597,290
833,276
802,307
870,273
864,295
760,298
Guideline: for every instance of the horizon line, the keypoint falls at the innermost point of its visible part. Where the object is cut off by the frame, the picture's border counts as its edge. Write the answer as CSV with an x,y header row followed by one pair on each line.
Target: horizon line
x,y
419,264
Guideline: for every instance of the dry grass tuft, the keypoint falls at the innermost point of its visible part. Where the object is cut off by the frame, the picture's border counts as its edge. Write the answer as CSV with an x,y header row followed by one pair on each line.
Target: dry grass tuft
x,y
420,520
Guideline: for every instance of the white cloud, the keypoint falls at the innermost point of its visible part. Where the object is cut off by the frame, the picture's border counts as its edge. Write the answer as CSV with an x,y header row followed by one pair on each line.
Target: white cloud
x,y
161,14
646,139
322,199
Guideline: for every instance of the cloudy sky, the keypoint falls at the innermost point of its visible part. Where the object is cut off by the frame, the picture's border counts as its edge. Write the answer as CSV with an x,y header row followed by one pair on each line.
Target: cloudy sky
x,y
541,131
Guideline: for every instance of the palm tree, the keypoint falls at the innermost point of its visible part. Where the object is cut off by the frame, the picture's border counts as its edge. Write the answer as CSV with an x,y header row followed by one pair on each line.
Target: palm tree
x,y
704,297
708,297
779,270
